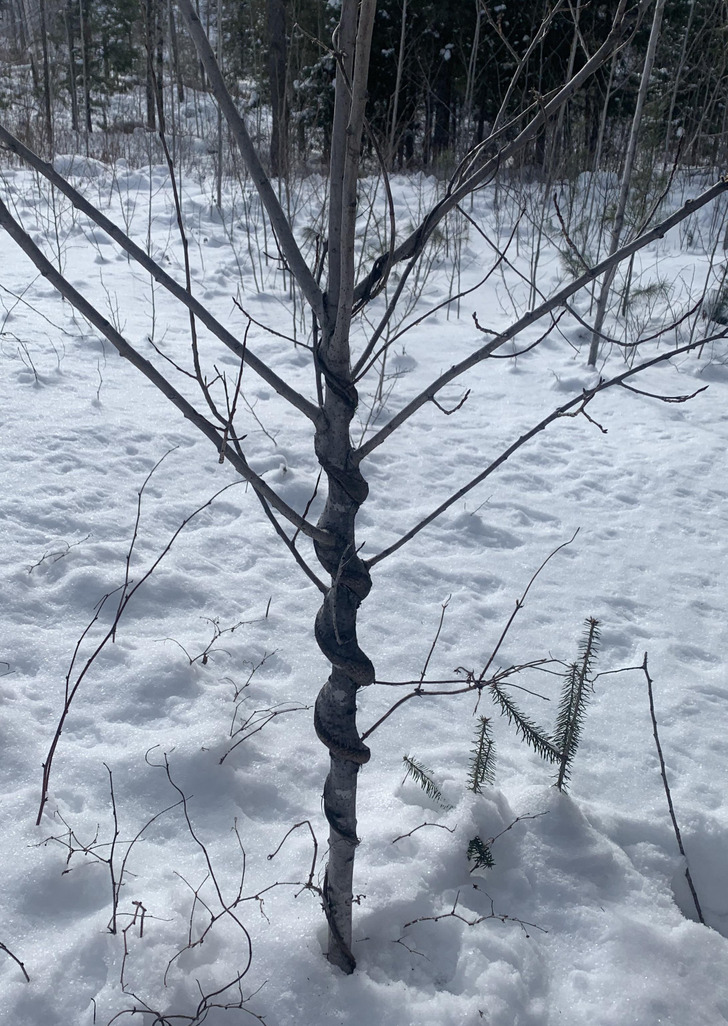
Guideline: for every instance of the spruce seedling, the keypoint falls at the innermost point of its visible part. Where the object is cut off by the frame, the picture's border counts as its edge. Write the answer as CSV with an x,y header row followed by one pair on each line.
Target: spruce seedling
x,y
423,777
480,855
533,735
575,694
482,758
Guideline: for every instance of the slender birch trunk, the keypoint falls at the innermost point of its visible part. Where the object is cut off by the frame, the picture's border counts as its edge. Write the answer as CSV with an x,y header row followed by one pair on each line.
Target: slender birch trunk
x,y
335,716
334,536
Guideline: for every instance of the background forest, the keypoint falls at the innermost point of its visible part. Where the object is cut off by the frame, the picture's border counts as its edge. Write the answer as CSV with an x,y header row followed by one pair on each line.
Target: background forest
x,y
80,76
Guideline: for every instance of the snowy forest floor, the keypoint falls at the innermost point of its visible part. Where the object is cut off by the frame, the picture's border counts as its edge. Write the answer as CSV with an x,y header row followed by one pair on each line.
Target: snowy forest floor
x,y
586,917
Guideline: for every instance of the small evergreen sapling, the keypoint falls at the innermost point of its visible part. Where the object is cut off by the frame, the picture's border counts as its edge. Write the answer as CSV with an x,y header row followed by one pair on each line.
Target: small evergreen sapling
x,y
560,747
482,771
480,855
533,735
424,778
575,694
482,758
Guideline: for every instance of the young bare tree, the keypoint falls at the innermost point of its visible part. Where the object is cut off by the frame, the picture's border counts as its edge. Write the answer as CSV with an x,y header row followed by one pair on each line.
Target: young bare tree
x,y
336,299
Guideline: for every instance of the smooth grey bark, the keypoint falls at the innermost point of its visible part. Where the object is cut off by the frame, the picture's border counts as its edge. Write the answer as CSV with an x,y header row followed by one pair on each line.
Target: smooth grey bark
x,y
336,622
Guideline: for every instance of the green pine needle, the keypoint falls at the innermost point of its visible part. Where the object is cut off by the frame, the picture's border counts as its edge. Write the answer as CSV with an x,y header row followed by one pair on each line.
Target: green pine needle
x,y
576,692
482,758
480,855
537,738
423,777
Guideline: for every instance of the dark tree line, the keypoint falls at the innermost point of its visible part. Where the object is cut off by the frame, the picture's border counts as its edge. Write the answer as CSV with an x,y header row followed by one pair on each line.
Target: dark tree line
x,y
442,74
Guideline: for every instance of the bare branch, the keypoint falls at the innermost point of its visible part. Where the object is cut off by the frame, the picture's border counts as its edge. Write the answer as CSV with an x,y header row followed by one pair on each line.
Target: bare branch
x,y
368,358
433,646
64,287
454,914
545,308
291,546
521,601
128,591
6,949
173,287
622,27
665,398
472,685
284,235
442,826
574,407
663,772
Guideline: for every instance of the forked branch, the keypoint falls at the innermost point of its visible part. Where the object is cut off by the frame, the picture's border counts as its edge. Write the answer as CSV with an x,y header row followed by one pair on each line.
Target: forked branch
x,y
573,408
543,310
622,28
284,235
236,458
179,292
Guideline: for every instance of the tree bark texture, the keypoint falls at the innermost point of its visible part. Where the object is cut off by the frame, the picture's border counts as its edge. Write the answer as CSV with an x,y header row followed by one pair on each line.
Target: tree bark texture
x,y
335,715
277,75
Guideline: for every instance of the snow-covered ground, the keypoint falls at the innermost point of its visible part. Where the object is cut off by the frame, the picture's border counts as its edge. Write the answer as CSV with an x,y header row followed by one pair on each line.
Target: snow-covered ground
x,y
586,917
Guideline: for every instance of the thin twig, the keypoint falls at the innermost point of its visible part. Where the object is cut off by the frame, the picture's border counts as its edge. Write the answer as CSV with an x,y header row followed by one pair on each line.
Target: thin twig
x,y
129,591
442,826
433,646
6,949
545,308
663,771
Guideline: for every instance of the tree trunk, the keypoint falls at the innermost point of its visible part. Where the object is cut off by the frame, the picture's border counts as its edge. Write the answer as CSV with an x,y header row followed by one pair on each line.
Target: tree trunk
x,y
335,537
335,716
277,65
72,67
150,9
677,82
397,86
47,101
85,61
174,46
218,176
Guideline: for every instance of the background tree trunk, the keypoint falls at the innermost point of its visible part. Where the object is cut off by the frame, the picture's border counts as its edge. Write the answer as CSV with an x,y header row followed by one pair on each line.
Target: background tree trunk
x,y
68,18
85,63
47,97
277,76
